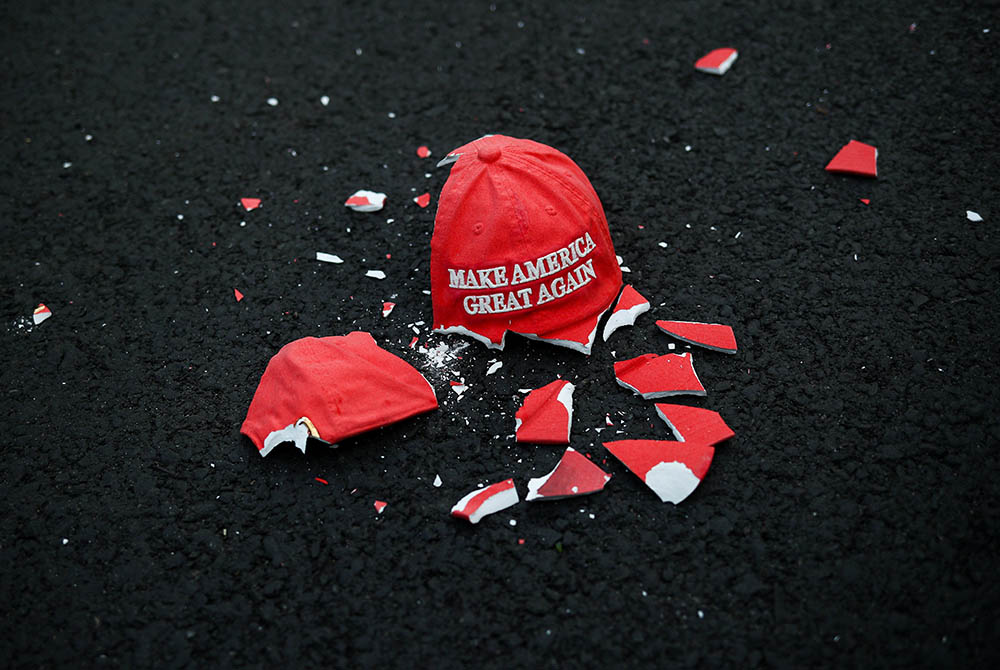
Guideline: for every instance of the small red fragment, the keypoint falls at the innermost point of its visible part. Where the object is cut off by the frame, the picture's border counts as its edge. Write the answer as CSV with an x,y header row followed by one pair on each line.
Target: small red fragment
x,y
423,151
653,376
387,308
672,470
413,342
41,313
630,305
717,61
574,475
714,336
322,481
423,200
520,540
380,506
481,502
239,296
546,415
250,203
855,158
865,200
694,424
366,201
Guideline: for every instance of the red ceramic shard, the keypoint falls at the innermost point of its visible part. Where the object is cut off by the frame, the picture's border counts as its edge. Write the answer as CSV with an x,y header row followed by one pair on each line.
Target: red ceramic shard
x,y
653,376
250,203
574,475
333,388
867,201
380,506
546,414
855,158
387,308
694,424
672,470
423,200
484,501
713,336
237,294
717,61
423,151
366,201
630,305
41,313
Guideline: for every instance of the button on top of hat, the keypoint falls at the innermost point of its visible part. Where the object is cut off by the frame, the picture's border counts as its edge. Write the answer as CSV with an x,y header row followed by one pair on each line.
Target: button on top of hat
x,y
489,154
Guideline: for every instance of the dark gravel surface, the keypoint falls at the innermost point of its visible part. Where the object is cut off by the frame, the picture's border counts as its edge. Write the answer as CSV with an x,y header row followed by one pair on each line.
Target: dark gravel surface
x,y
852,522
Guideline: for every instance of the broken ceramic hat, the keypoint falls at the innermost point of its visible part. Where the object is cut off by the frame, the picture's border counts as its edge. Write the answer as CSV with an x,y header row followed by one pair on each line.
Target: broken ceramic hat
x,y
332,388
520,245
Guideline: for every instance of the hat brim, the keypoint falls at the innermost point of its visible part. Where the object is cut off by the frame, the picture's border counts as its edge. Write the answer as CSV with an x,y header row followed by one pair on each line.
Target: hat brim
x,y
333,388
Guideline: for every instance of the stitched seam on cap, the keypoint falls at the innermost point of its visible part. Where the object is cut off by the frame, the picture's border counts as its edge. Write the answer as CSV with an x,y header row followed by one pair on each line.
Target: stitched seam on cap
x,y
500,179
562,182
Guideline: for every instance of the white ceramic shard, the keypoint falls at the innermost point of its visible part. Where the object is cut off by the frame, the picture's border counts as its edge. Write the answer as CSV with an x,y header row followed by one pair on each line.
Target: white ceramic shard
x,y
489,500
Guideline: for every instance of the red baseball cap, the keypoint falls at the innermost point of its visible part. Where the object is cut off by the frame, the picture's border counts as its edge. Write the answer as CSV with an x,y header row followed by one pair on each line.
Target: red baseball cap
x,y
520,244
332,388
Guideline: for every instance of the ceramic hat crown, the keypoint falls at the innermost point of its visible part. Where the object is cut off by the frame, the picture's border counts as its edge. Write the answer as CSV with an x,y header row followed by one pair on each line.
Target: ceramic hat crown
x,y
521,245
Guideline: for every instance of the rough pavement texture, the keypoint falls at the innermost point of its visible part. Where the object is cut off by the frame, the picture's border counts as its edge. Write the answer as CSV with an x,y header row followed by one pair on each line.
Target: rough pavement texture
x,y
853,521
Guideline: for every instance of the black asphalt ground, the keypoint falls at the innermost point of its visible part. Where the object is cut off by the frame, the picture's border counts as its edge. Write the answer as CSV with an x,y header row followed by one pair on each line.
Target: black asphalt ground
x,y
852,522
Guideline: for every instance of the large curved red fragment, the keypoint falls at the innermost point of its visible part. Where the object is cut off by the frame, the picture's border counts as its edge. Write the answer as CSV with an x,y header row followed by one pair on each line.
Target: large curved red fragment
x,y
333,388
